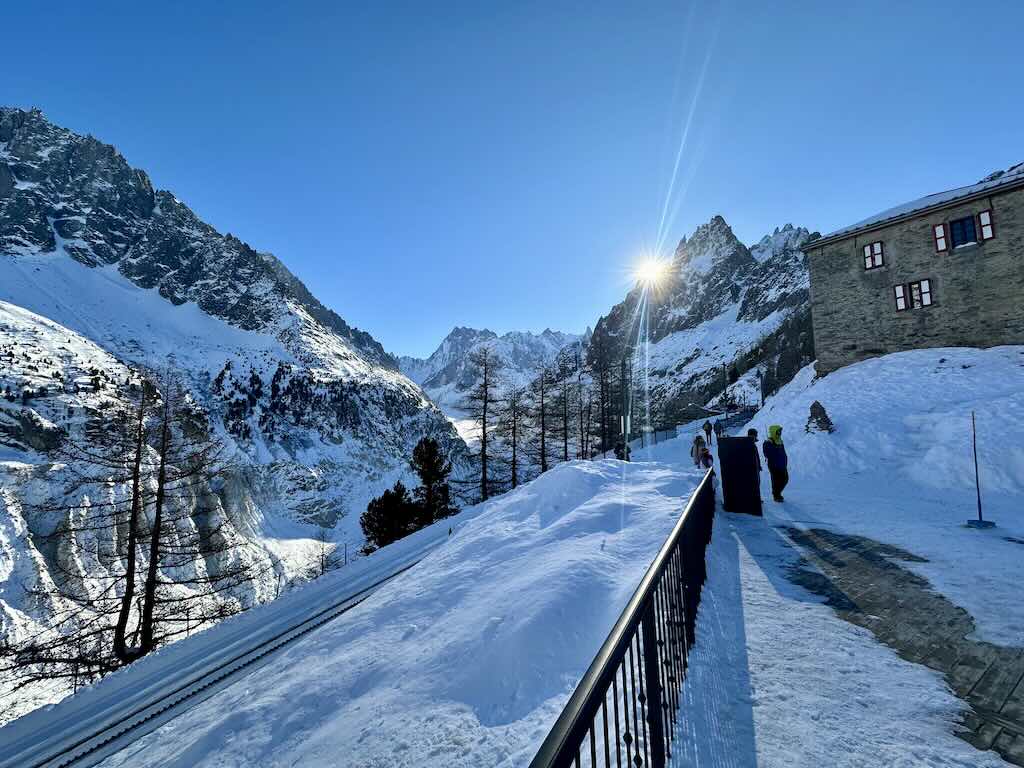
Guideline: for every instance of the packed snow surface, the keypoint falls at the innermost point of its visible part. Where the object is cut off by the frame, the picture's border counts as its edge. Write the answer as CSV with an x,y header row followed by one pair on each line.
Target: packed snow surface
x,y
777,680
899,467
466,659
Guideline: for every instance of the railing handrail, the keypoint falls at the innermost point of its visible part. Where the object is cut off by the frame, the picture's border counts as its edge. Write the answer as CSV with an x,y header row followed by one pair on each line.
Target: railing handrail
x,y
578,713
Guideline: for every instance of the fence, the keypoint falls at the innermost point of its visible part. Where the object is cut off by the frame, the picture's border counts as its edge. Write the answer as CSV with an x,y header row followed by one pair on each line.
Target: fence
x,y
624,710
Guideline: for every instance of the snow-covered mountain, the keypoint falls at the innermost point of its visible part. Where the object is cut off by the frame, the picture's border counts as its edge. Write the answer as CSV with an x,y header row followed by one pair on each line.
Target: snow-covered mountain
x,y
723,313
102,276
447,374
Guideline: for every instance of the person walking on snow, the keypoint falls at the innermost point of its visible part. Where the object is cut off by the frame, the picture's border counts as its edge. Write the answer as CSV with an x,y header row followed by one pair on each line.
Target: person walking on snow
x,y
775,458
695,450
707,430
706,461
718,429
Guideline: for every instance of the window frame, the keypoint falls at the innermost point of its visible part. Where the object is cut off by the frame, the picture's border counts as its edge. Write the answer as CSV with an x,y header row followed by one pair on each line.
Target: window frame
x,y
874,255
982,226
941,234
952,232
924,293
900,292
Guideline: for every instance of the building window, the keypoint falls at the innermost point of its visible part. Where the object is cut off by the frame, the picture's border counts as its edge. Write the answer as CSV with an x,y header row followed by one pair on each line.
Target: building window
x,y
873,257
985,225
901,297
962,232
940,237
920,294
914,295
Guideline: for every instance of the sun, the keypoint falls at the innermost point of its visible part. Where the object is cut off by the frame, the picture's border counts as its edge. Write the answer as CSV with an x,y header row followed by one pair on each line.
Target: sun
x,y
651,271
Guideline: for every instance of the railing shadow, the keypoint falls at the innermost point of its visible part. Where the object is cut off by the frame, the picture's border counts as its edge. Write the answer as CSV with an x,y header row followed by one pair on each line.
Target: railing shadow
x,y
716,723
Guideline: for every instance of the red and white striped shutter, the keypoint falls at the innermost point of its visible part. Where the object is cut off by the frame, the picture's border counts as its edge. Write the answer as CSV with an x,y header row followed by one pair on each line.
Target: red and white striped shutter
x,y
941,237
986,230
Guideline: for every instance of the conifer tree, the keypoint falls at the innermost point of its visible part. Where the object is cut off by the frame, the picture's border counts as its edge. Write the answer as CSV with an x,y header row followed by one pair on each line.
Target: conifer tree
x,y
433,495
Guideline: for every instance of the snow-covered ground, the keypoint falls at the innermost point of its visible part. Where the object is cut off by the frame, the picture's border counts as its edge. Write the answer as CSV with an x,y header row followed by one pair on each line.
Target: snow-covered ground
x,y
466,659
899,468
777,680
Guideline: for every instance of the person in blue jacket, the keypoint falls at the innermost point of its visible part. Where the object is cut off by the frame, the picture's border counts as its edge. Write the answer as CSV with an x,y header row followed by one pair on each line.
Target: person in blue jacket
x,y
775,457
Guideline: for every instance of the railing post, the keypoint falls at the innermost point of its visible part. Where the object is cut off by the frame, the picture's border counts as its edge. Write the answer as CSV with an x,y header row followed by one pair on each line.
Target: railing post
x,y
652,678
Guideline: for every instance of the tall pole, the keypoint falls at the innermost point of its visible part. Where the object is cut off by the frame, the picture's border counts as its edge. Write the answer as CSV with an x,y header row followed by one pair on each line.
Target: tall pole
x,y
625,401
977,480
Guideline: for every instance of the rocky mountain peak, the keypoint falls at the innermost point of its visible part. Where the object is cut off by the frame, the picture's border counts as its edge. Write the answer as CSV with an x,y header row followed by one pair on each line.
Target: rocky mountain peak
x,y
61,190
712,246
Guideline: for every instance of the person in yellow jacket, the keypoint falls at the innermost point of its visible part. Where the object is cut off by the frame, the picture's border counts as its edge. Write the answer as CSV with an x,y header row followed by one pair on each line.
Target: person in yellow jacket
x,y
778,463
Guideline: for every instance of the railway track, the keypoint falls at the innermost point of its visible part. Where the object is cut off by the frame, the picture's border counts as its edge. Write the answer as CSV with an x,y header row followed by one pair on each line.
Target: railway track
x,y
85,729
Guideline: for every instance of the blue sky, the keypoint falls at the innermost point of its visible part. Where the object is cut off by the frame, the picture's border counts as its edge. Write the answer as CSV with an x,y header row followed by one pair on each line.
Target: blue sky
x,y
425,165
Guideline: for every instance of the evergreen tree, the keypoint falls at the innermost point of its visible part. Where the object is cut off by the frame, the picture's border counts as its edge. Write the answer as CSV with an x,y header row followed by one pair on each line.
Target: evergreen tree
x,y
433,496
388,518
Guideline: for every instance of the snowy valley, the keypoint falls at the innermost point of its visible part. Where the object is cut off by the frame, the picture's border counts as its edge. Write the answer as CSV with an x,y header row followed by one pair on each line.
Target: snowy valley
x,y
104,280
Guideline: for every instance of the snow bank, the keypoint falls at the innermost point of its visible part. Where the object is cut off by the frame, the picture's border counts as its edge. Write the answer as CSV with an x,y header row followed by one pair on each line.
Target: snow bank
x,y
899,467
466,659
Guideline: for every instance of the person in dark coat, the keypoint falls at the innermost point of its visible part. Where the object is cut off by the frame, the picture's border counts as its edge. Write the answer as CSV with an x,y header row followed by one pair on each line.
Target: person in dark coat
x,y
706,461
777,461
718,428
752,434
707,430
695,450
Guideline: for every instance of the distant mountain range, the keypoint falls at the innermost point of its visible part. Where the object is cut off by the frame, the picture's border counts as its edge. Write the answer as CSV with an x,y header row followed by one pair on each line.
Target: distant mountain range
x,y
446,376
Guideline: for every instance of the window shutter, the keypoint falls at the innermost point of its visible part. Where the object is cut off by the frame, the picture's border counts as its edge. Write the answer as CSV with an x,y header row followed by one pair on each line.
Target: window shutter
x,y
876,249
941,237
986,231
926,293
867,257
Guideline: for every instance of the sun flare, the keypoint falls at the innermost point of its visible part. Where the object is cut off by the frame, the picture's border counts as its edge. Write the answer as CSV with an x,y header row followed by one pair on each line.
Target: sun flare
x,y
651,271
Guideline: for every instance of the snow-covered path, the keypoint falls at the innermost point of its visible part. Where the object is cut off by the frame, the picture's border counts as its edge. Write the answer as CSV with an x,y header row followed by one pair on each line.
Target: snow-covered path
x,y
777,679
466,659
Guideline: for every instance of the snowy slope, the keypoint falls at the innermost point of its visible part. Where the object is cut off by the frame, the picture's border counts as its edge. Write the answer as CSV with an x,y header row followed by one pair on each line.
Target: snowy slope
x,y
100,273
466,659
447,374
899,467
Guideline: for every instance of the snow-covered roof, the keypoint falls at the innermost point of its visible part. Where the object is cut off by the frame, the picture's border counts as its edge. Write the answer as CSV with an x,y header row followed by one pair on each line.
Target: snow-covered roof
x,y
1013,176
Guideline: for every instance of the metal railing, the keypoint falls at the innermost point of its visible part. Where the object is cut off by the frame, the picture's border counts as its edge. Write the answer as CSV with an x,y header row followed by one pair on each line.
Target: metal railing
x,y
625,709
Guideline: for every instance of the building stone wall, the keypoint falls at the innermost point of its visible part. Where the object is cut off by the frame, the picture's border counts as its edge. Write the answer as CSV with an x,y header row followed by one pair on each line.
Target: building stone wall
x,y
977,290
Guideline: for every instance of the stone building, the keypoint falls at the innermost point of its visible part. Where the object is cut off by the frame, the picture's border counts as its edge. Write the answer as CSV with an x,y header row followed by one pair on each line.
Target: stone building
x,y
946,270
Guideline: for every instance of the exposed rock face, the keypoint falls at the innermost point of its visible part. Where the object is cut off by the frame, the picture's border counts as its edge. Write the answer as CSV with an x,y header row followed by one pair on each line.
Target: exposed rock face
x,y
27,429
79,192
723,310
819,421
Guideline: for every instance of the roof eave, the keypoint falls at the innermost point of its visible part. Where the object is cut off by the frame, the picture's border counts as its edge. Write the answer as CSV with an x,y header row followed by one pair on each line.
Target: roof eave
x,y
821,241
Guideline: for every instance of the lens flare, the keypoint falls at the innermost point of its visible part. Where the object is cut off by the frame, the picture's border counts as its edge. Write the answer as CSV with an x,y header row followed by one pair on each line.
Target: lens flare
x,y
651,271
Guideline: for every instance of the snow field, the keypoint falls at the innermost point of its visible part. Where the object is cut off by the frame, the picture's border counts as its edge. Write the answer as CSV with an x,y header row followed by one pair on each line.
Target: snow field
x,y
900,468
465,660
